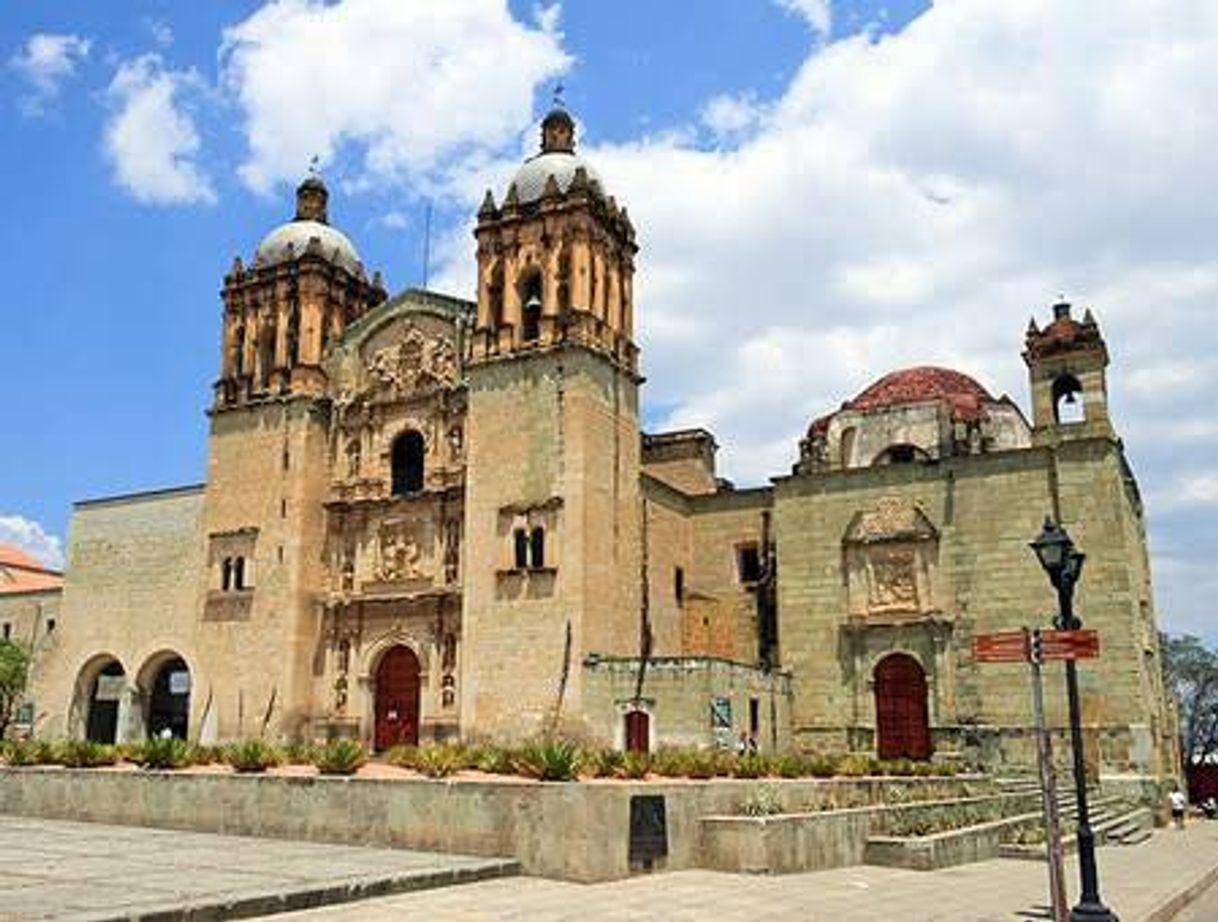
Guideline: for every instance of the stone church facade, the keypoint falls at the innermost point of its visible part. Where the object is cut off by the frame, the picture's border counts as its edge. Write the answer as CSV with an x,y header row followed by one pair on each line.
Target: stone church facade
x,y
427,518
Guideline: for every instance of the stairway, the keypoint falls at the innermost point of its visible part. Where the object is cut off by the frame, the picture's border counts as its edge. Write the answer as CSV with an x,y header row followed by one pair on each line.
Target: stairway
x,y
1114,821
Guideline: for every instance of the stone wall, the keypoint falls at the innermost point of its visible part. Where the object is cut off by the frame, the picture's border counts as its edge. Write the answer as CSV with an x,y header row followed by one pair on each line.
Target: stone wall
x,y
575,831
678,693
129,595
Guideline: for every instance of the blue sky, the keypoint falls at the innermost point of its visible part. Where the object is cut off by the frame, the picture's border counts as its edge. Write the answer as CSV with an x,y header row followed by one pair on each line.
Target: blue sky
x,y
823,191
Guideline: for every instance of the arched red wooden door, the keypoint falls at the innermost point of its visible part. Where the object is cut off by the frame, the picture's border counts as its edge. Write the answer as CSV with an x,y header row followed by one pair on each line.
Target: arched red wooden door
x,y
397,699
902,723
638,731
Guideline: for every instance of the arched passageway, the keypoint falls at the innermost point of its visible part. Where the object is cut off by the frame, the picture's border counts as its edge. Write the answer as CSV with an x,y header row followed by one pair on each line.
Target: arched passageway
x,y
902,720
397,699
169,699
105,692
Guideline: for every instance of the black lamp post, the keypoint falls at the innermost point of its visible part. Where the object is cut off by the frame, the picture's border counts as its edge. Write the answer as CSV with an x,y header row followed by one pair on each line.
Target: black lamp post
x,y
1064,564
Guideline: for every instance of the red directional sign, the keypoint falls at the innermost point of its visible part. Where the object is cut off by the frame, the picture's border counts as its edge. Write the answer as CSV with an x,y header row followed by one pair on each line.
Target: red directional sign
x,y
1018,646
1069,645
1001,647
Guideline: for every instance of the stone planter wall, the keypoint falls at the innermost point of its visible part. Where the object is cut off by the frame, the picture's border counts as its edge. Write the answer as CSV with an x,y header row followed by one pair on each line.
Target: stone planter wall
x,y
815,841
574,831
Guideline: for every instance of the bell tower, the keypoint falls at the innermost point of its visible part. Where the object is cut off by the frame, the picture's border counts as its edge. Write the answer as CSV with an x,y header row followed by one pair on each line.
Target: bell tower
x,y
305,286
552,526
269,465
1066,366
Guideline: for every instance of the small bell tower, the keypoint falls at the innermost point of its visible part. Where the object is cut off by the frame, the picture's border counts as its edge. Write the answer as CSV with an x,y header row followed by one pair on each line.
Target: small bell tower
x,y
1066,367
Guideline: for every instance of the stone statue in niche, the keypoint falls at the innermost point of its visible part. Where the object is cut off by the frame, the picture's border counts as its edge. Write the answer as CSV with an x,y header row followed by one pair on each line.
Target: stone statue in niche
x,y
455,438
448,691
448,654
353,458
340,694
894,583
399,553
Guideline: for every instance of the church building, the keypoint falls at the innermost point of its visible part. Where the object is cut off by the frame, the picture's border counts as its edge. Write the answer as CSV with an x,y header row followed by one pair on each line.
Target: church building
x,y
428,518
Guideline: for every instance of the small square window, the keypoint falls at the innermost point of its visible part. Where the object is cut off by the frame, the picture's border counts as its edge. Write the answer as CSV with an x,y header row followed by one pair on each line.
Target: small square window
x,y
7,630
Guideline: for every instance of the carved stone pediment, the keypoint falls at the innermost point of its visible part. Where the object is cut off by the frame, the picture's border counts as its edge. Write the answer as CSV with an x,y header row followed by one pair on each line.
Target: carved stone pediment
x,y
889,559
415,362
892,519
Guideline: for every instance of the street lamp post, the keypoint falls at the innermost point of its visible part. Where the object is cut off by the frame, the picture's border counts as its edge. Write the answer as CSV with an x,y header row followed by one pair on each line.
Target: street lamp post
x,y
1064,564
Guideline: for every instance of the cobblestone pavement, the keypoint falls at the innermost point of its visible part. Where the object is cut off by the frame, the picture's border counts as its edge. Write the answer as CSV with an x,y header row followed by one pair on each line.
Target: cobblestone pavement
x,y
50,869
1136,881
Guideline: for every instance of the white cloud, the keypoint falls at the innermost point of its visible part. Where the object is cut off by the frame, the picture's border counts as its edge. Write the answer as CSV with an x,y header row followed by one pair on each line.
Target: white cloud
x,y
417,88
32,538
1187,491
817,13
46,60
150,139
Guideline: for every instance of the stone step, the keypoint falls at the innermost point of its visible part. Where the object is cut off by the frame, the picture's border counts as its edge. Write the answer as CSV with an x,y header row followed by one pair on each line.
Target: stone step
x,y
1127,827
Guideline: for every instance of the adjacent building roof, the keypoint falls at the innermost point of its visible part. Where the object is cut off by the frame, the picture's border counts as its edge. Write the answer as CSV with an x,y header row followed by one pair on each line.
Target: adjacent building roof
x,y
19,572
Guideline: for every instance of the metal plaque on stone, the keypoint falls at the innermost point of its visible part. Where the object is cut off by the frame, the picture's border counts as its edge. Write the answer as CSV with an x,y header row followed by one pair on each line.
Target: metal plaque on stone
x,y
648,831
110,687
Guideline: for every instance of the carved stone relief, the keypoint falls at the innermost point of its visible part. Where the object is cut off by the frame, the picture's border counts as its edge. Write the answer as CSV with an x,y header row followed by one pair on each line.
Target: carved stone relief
x,y
398,553
413,362
894,580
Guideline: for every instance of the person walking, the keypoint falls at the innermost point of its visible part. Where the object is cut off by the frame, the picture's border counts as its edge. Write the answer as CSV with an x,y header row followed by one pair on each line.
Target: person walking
x,y
1178,803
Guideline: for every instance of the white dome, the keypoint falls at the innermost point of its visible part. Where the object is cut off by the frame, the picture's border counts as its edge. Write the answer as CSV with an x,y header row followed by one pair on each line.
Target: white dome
x,y
289,241
530,179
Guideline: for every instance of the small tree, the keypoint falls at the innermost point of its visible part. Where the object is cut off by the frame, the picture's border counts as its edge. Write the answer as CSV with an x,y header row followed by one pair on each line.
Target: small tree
x,y
1190,671
14,670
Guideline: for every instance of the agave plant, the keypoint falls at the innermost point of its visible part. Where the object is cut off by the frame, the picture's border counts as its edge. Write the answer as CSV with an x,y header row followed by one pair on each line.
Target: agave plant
x,y
253,755
550,760
163,752
86,754
340,757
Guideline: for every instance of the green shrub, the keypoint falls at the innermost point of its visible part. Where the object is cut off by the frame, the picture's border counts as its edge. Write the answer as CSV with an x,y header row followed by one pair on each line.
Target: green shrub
x,y
440,760
550,760
252,755
340,757
208,755
789,765
403,756
86,754
161,752
494,760
749,765
635,765
21,752
607,763
298,753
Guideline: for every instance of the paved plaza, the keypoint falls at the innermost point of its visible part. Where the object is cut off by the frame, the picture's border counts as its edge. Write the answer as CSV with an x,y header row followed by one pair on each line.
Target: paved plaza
x,y
78,871
50,869
1138,882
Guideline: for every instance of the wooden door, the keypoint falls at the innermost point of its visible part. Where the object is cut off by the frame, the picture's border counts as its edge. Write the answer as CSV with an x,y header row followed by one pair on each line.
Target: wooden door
x,y
901,719
638,731
397,699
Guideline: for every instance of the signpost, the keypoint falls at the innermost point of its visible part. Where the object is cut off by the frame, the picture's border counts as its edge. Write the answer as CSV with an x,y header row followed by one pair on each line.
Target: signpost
x,y
1035,647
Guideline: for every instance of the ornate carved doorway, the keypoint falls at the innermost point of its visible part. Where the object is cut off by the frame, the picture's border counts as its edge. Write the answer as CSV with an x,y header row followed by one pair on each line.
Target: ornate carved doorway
x,y
397,699
902,723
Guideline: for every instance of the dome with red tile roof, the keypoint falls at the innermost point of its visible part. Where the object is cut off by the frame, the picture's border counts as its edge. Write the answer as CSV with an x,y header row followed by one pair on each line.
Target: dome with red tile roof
x,y
965,398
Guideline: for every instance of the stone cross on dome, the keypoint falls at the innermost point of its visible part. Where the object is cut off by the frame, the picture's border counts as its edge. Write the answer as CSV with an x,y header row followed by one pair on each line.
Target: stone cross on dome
x,y
558,128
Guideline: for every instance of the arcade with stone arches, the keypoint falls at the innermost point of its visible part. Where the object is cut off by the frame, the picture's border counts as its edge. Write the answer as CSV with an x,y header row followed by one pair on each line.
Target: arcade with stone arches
x,y
113,705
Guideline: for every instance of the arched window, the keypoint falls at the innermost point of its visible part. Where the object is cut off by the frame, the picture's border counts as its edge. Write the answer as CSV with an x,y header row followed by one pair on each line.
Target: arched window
x,y
1067,399
846,448
226,574
407,462
520,549
239,573
564,281
494,294
901,454
537,547
530,300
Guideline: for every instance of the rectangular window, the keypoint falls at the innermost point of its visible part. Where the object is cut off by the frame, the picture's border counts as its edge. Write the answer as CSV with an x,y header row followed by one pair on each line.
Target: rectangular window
x,y
7,630
754,718
678,585
521,549
748,563
721,713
